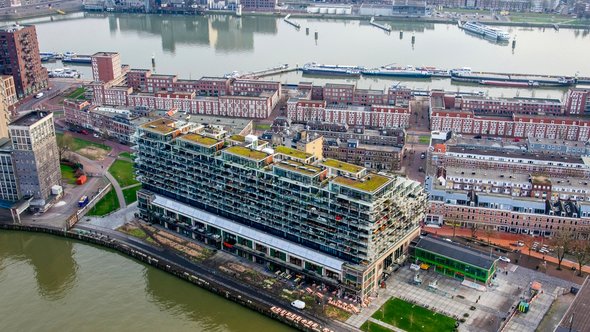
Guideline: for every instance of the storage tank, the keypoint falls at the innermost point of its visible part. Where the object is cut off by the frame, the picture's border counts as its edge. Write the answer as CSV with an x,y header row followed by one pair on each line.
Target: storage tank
x,y
331,10
323,10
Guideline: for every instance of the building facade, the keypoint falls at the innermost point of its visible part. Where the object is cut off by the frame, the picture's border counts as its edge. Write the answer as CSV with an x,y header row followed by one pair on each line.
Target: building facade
x,y
35,155
106,66
376,157
20,58
332,221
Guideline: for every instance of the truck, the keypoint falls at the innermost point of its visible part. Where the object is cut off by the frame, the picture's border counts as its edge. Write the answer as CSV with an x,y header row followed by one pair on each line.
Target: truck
x,y
83,201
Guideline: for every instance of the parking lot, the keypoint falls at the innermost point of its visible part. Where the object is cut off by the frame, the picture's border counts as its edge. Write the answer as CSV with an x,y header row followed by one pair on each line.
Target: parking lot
x,y
455,300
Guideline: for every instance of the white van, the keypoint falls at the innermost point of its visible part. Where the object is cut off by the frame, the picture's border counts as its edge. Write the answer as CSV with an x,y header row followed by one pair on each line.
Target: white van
x,y
39,95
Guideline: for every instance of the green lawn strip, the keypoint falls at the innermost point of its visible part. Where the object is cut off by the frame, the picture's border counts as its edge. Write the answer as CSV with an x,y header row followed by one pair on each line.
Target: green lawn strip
x,y
77,94
68,174
130,194
106,205
122,171
262,126
373,327
412,317
424,139
78,143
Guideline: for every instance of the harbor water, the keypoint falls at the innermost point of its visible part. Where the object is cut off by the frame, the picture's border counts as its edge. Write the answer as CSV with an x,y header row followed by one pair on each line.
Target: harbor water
x,y
53,284
215,45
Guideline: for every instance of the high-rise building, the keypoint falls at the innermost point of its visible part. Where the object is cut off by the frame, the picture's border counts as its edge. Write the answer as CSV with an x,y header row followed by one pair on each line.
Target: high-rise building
x,y
8,183
7,100
19,57
35,155
106,66
329,220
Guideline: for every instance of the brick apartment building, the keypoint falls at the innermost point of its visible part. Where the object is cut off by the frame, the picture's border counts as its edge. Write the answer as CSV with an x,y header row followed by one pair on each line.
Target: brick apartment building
x,y
19,58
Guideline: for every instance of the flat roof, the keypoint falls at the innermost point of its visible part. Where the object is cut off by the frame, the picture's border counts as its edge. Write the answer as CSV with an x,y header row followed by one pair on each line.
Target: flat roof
x,y
200,139
456,252
238,138
256,235
341,165
292,152
246,152
299,167
162,126
370,183
516,154
106,54
30,118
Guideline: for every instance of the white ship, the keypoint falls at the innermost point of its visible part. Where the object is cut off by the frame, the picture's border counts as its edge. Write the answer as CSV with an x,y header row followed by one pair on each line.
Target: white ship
x,y
64,73
484,30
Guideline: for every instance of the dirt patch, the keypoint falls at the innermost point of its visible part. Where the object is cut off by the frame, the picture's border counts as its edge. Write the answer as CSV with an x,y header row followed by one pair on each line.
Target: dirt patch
x,y
93,153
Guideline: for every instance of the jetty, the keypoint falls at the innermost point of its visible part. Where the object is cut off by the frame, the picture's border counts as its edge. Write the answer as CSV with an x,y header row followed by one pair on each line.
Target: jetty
x,y
268,72
293,23
385,26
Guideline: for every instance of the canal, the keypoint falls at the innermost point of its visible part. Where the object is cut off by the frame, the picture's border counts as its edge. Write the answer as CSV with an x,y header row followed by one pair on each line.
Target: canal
x,y
215,45
53,284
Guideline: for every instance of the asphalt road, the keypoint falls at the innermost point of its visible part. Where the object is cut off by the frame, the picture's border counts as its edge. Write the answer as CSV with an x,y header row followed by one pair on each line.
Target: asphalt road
x,y
56,87
209,275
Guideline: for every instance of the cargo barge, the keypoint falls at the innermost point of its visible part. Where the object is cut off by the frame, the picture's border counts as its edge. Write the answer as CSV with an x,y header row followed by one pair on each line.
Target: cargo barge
x,y
466,75
408,71
319,69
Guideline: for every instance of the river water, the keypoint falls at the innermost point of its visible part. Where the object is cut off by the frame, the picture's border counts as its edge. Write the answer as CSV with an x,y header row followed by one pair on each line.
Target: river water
x,y
215,45
54,284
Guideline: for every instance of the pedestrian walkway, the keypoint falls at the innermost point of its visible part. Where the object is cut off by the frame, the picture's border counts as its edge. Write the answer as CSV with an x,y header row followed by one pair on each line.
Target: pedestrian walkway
x,y
118,189
131,186
391,327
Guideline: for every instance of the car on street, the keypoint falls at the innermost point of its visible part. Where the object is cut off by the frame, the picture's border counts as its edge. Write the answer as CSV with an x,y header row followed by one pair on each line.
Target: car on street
x,y
504,259
39,95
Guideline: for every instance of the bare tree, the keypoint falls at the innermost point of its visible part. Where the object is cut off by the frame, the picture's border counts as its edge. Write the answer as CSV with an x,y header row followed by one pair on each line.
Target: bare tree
x,y
581,251
474,228
489,231
528,243
562,241
65,143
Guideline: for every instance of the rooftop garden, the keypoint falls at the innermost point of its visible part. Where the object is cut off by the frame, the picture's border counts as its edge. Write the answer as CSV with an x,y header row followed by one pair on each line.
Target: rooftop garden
x,y
163,126
369,183
299,167
292,152
199,139
350,168
245,152
237,138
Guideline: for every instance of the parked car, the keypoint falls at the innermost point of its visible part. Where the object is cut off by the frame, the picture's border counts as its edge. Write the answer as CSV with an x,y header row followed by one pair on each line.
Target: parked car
x,y
504,259
39,95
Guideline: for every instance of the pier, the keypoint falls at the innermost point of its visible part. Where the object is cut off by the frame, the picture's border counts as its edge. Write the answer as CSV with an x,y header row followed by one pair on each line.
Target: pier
x,y
293,23
385,26
269,72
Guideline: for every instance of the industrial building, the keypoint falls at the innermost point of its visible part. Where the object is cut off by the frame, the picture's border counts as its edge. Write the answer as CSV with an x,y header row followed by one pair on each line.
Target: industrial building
x,y
454,260
330,220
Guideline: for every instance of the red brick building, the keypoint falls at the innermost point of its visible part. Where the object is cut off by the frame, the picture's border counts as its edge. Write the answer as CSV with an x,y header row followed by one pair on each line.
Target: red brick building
x,y
577,101
106,66
19,58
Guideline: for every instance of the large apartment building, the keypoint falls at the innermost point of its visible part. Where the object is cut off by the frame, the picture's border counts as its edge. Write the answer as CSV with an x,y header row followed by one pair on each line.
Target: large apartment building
x,y
330,220
19,58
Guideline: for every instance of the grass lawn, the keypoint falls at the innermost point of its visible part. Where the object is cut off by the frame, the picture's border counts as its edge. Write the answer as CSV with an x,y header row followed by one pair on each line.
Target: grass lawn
x,y
122,170
262,126
373,327
77,94
537,18
130,194
127,155
424,139
412,317
106,205
68,174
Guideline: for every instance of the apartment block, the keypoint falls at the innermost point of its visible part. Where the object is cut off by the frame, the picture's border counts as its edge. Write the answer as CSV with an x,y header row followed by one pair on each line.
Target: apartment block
x,y
577,101
375,157
106,66
330,220
19,58
7,100
35,155
509,106
8,181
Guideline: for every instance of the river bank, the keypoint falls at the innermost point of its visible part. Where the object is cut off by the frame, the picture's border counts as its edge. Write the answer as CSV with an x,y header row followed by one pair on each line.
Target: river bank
x,y
191,272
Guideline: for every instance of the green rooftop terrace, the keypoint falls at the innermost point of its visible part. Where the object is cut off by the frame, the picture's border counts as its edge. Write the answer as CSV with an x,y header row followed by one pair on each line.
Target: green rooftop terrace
x,y
369,183
350,168
199,139
162,126
292,152
304,169
247,153
237,138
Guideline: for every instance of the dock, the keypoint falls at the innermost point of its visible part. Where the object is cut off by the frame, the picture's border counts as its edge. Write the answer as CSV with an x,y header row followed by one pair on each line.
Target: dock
x,y
293,23
385,26
269,72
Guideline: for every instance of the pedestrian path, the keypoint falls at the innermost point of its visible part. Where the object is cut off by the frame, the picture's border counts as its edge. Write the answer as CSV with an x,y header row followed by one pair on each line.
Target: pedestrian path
x,y
391,327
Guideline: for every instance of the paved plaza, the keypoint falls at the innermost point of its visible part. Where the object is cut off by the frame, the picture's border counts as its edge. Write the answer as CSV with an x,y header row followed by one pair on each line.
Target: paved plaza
x,y
492,306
